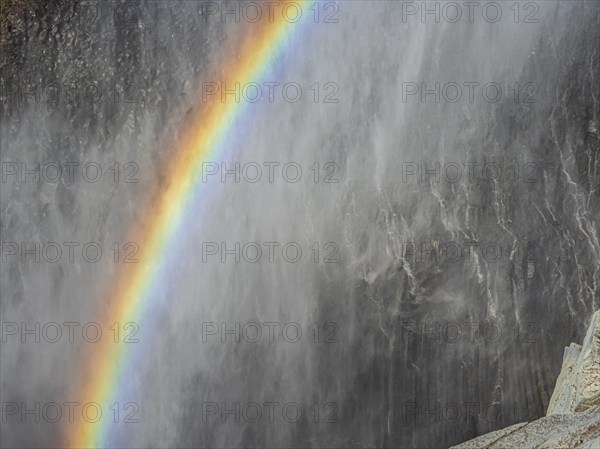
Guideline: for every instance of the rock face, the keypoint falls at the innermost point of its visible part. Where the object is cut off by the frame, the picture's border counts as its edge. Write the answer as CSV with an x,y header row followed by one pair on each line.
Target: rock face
x,y
573,418
578,385
575,430
562,400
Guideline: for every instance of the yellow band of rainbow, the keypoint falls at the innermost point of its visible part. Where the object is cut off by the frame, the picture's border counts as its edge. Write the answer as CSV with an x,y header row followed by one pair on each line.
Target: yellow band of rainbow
x,y
246,59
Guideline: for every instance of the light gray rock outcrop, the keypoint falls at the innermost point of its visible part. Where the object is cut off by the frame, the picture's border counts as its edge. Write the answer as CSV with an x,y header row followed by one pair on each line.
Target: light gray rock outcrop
x,y
574,430
578,385
563,397
573,416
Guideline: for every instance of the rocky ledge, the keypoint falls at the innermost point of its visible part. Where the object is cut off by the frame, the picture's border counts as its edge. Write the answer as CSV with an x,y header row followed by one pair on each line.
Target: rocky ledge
x,y
573,416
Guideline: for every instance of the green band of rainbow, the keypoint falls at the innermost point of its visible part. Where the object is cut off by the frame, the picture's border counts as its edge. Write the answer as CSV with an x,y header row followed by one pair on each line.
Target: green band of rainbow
x,y
247,59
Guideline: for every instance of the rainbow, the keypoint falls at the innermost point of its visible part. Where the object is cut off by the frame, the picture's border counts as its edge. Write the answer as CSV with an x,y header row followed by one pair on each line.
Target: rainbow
x,y
248,57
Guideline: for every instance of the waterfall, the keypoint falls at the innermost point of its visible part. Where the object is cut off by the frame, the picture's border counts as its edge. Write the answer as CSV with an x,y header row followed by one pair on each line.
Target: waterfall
x,y
398,239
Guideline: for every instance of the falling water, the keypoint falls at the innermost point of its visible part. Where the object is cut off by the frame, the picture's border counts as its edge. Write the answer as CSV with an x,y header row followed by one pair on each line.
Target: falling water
x,y
447,210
